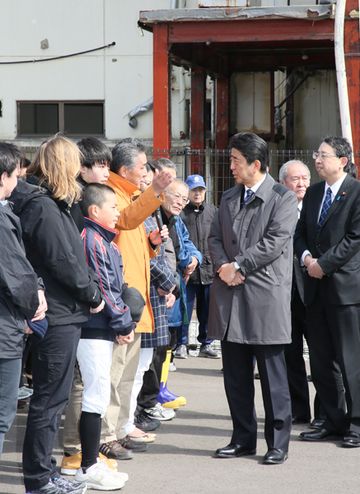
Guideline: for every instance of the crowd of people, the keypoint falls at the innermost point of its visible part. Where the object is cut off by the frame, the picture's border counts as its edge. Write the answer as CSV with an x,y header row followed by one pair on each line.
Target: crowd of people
x,y
95,274
103,256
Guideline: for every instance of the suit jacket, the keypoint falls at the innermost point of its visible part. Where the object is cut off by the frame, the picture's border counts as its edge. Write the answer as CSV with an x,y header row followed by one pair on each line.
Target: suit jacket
x,y
336,244
259,237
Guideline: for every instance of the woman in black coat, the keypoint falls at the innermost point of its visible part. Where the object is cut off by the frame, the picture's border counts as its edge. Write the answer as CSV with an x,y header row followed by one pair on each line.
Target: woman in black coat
x,y
54,248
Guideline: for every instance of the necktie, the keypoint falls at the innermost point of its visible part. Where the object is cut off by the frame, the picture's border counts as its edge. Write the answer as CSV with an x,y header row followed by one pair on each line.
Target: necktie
x,y
325,207
248,195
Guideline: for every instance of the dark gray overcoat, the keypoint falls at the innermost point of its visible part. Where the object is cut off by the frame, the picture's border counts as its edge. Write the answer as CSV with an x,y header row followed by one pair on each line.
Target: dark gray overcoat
x,y
259,236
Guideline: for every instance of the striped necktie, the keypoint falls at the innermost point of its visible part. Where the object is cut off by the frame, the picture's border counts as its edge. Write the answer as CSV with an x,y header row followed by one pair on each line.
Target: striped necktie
x,y
325,207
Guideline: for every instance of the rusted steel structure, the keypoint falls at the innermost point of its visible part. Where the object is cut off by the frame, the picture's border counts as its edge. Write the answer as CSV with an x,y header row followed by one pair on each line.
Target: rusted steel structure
x,y
222,41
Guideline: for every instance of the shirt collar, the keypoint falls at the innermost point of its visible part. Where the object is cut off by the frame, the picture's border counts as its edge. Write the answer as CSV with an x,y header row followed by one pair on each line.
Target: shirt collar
x,y
336,186
255,187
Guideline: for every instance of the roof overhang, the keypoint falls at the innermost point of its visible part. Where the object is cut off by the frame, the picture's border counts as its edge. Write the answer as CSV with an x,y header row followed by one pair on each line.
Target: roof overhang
x,y
226,40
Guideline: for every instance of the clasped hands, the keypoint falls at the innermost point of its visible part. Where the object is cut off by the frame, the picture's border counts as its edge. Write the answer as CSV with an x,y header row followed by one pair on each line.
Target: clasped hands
x,y
229,275
313,267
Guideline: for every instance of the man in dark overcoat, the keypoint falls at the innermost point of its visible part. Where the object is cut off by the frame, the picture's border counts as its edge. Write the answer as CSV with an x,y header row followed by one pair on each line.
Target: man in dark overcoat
x,y
251,247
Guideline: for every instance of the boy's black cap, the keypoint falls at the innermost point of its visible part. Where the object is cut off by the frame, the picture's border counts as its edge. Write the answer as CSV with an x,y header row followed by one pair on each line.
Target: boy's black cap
x,y
135,301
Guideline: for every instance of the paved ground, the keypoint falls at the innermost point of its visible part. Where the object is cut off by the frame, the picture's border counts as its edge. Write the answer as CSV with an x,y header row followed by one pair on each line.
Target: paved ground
x,y
180,462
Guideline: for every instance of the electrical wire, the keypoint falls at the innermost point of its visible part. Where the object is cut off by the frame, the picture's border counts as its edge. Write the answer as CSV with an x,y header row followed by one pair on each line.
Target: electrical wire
x,y
50,59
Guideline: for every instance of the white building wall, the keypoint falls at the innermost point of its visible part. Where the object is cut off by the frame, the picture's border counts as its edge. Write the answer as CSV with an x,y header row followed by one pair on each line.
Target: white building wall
x,y
120,75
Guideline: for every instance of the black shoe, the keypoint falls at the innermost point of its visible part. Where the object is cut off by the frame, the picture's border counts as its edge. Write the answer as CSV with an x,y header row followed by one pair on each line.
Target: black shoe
x,y
300,420
127,443
234,451
351,440
317,435
146,423
317,424
275,457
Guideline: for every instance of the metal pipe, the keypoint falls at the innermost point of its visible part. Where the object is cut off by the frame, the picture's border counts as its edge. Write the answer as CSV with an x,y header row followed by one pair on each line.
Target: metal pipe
x,y
341,71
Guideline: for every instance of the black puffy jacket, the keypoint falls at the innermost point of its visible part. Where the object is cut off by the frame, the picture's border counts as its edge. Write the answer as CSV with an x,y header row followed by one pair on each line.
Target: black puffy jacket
x,y
18,286
54,248
198,222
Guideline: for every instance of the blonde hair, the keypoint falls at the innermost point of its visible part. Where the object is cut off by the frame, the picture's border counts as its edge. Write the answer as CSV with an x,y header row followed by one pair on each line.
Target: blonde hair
x,y
57,164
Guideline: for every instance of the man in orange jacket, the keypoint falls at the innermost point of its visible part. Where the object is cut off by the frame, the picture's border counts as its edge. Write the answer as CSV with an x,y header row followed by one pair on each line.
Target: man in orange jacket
x,y
128,169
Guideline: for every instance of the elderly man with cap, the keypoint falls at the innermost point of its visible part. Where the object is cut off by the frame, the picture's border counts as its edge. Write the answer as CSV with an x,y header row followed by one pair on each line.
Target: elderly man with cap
x,y
198,216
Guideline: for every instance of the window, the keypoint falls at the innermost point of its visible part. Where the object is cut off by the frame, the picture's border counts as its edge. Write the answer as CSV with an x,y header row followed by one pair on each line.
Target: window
x,y
71,117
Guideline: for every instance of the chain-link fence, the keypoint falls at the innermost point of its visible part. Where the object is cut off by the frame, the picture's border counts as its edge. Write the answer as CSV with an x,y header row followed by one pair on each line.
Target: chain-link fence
x,y
214,165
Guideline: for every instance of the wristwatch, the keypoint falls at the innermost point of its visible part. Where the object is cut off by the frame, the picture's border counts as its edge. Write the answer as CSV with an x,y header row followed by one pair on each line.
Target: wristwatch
x,y
238,268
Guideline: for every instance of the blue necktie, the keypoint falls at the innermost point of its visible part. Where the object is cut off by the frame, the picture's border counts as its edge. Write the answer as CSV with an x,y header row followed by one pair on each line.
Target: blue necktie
x,y
325,207
248,195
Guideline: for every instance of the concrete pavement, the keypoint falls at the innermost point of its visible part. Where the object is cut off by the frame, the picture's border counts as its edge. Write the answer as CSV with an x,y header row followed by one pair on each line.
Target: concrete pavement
x,y
180,462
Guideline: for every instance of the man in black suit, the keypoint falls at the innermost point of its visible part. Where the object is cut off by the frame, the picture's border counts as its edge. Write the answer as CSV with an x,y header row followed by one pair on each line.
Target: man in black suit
x,y
295,175
327,241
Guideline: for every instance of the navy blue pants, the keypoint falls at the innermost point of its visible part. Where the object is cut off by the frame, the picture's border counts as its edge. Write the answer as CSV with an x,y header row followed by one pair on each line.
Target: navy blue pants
x,y
238,360
202,295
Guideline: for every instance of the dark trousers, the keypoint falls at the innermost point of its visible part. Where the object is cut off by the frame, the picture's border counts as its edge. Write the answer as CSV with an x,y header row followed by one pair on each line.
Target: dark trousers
x,y
9,386
334,345
202,295
296,370
238,360
53,368
147,397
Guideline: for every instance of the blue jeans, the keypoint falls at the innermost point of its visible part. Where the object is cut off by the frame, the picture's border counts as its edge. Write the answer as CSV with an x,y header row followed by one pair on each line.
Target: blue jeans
x,y
202,294
10,370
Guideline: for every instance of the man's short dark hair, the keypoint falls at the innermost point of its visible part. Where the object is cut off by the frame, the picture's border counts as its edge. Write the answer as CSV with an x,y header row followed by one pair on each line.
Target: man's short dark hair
x,y
94,194
125,153
252,147
93,151
342,148
10,157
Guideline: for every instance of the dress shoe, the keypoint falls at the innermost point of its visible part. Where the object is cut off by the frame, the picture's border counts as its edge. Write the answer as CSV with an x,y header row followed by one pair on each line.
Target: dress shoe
x,y
317,424
351,440
317,435
300,420
275,457
234,451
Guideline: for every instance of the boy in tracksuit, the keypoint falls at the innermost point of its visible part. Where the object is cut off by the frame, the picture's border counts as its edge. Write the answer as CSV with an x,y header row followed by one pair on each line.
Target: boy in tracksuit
x,y
113,324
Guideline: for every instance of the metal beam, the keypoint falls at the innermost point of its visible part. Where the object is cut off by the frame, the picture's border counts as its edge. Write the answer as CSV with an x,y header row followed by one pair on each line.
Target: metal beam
x,y
253,30
162,110
221,113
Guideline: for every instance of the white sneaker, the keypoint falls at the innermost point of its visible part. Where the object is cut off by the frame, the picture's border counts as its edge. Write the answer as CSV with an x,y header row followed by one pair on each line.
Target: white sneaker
x,y
172,367
100,478
160,413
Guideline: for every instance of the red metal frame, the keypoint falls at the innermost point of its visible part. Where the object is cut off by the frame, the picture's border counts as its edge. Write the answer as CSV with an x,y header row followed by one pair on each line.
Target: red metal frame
x,y
161,90
251,31
221,113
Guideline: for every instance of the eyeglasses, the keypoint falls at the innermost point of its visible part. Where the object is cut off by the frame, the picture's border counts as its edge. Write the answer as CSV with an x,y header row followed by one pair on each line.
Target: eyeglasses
x,y
322,156
179,198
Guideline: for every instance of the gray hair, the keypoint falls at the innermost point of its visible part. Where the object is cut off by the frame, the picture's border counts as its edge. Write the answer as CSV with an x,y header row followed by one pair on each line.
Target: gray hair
x,y
125,153
162,163
284,169
177,181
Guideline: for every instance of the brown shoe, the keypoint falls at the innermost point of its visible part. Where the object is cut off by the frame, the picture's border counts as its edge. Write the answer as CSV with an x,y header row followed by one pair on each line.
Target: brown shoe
x,y
116,451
